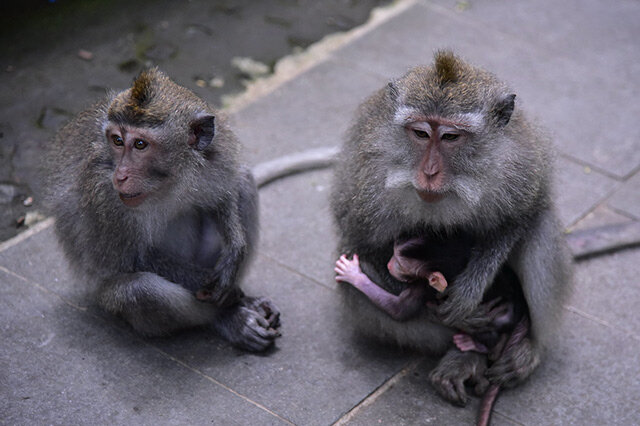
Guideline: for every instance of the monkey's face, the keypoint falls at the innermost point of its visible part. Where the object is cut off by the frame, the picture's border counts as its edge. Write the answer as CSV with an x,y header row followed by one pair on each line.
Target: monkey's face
x,y
435,140
138,172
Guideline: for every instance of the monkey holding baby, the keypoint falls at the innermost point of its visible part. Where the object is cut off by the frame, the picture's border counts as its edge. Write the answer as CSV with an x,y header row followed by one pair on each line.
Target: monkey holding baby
x,y
442,197
152,204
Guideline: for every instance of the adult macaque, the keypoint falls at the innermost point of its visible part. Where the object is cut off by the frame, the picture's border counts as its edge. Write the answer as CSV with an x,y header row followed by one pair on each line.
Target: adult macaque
x,y
151,204
494,328
445,151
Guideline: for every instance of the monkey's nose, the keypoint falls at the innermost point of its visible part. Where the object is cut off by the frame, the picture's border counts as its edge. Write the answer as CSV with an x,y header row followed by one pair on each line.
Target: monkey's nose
x,y
431,172
119,179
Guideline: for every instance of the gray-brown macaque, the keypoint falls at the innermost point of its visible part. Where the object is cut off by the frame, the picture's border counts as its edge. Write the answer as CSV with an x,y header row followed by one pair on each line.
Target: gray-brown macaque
x,y
445,151
152,204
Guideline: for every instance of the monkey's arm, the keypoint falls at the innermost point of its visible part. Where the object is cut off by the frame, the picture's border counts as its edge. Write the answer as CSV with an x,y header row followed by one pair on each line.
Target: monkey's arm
x,y
543,265
469,287
152,304
239,228
400,308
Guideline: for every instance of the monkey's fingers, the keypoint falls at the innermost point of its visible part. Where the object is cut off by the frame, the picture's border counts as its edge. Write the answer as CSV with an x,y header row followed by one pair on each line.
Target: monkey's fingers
x,y
466,343
453,391
266,309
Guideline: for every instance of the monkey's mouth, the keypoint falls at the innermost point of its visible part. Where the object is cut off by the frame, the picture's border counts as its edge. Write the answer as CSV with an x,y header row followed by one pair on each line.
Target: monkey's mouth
x,y
132,200
429,196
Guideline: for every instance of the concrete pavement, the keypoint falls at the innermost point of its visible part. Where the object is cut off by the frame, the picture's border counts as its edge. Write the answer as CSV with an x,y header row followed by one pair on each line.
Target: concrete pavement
x,y
575,65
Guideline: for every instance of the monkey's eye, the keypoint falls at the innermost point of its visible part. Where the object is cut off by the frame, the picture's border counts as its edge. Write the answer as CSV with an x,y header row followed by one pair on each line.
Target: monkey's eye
x,y
140,144
117,140
421,134
450,136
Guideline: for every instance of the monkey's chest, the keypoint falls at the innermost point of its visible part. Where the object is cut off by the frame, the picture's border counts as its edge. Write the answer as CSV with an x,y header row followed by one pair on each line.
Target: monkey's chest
x,y
193,238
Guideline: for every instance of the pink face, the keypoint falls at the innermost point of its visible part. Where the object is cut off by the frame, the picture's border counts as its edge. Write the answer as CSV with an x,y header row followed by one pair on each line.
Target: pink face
x,y
437,139
134,150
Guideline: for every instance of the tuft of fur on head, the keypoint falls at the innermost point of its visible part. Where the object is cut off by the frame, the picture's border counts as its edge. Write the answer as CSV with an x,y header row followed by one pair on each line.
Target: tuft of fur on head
x,y
446,66
142,89
152,99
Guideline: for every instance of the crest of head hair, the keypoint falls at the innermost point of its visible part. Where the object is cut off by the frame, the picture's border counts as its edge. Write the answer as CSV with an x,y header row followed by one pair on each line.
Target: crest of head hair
x,y
142,89
446,65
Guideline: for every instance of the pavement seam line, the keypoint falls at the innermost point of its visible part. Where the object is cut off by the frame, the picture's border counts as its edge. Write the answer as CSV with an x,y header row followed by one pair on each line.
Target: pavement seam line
x,y
166,354
222,385
44,289
40,226
379,391
602,322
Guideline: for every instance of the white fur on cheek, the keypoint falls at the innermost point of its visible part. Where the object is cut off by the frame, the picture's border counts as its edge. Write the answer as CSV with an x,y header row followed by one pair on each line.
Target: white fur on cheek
x,y
398,178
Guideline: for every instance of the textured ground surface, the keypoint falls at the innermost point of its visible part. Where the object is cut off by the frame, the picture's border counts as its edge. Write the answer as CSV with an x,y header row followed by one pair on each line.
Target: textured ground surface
x,y
575,66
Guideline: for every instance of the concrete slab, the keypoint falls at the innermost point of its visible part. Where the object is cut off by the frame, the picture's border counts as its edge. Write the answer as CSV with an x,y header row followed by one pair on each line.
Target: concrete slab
x,y
588,377
64,362
296,227
627,198
310,111
579,190
410,400
316,373
62,365
560,90
39,258
615,274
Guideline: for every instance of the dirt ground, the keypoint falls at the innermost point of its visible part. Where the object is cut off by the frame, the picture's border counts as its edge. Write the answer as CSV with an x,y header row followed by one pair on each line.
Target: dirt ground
x,y
58,57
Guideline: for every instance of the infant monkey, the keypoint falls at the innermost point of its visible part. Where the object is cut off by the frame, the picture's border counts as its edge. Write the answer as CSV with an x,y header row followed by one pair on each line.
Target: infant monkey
x,y
427,269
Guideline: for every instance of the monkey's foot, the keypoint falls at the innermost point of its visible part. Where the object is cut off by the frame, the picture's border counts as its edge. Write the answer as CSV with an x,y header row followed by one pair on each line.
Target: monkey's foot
x,y
251,325
515,364
454,370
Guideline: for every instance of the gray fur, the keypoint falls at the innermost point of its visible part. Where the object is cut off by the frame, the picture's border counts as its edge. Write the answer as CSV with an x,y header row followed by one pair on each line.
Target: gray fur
x,y
499,190
195,231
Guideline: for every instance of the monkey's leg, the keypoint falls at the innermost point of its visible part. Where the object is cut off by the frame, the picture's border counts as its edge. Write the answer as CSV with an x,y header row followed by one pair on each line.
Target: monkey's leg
x,y
152,305
518,360
400,307
252,324
454,369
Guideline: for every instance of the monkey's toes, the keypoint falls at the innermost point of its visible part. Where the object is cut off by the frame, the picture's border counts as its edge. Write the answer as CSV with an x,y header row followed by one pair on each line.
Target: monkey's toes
x,y
266,308
449,386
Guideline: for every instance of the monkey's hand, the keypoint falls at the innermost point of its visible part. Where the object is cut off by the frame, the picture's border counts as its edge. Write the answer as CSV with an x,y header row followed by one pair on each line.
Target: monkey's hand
x,y
251,325
483,318
515,364
349,270
221,289
458,306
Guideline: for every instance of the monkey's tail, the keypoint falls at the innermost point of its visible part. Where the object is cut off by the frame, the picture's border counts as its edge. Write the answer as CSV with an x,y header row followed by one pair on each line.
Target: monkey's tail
x,y
488,400
486,405
294,163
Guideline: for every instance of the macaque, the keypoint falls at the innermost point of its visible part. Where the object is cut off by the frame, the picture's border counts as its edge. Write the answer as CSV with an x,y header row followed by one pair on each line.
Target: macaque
x,y
445,151
153,206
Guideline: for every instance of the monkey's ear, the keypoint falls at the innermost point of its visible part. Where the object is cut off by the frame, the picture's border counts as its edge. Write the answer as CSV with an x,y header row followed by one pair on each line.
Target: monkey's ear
x,y
202,132
504,109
